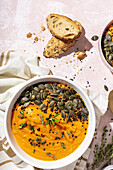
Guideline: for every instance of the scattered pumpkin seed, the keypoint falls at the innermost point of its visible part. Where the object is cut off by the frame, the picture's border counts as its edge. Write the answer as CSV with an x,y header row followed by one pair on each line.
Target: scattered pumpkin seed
x,y
95,38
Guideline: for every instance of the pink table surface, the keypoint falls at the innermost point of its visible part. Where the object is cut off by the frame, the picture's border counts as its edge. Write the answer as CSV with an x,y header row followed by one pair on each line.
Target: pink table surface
x,y
18,17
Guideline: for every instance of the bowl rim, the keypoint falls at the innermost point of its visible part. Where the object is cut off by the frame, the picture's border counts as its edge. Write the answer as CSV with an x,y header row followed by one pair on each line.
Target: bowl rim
x,y
100,47
73,156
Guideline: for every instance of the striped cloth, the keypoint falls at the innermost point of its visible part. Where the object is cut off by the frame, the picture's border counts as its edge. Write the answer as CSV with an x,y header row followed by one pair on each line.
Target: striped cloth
x,y
15,69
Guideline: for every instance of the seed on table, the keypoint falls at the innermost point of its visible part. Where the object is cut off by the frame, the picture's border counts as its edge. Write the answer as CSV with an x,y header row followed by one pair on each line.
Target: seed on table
x,y
95,38
106,88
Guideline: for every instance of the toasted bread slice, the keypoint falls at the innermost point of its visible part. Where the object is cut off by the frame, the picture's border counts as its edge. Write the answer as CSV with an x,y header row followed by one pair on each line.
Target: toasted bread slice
x,y
56,46
62,27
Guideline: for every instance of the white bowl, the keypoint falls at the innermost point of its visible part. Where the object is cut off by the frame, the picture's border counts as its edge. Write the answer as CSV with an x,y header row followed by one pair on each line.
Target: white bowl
x,y
73,156
110,167
100,48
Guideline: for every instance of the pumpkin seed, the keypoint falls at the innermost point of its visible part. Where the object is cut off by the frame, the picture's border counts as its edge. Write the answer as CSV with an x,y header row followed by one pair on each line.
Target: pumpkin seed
x,y
50,99
67,92
109,37
72,113
75,102
55,98
26,104
110,57
32,97
48,86
57,91
51,103
84,117
82,113
51,90
80,105
24,99
44,94
106,45
63,95
95,38
42,106
106,88
105,41
36,89
68,105
73,96
84,110
111,44
107,49
64,89
37,102
60,103
38,96
41,86
68,118
54,94
61,107
63,114
65,110
27,94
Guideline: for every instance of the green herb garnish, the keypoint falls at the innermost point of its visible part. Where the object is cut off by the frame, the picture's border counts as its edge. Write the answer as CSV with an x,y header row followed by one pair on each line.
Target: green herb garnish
x,y
21,116
42,120
21,112
52,120
67,133
49,154
22,125
43,142
31,128
63,145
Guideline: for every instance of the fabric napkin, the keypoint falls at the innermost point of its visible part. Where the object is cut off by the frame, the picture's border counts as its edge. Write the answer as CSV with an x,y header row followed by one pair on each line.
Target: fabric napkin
x,y
15,69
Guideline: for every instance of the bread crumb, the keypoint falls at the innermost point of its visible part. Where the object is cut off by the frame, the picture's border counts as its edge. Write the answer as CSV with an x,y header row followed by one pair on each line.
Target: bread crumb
x,y
36,38
81,55
43,28
29,35
33,33
70,61
73,55
38,57
66,62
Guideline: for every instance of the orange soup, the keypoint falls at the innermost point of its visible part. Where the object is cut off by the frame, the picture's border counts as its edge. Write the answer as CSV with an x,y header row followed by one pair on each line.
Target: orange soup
x,y
49,121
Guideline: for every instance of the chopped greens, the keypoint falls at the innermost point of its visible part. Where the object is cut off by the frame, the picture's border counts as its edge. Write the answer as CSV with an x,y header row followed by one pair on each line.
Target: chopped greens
x,y
22,125
49,154
52,120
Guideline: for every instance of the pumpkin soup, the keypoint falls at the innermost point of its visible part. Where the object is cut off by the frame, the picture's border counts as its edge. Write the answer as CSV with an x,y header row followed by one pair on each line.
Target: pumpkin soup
x,y
49,121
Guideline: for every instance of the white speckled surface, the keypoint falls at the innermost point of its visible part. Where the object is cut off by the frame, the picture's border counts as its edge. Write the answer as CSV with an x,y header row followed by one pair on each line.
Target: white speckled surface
x,y
19,17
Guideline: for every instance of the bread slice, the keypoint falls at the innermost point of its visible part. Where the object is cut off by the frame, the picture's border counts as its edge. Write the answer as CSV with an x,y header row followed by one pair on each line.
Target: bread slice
x,y
62,27
56,46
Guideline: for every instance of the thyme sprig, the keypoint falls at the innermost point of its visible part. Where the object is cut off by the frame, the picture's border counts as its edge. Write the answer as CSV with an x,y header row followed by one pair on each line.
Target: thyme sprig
x,y
52,120
102,153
